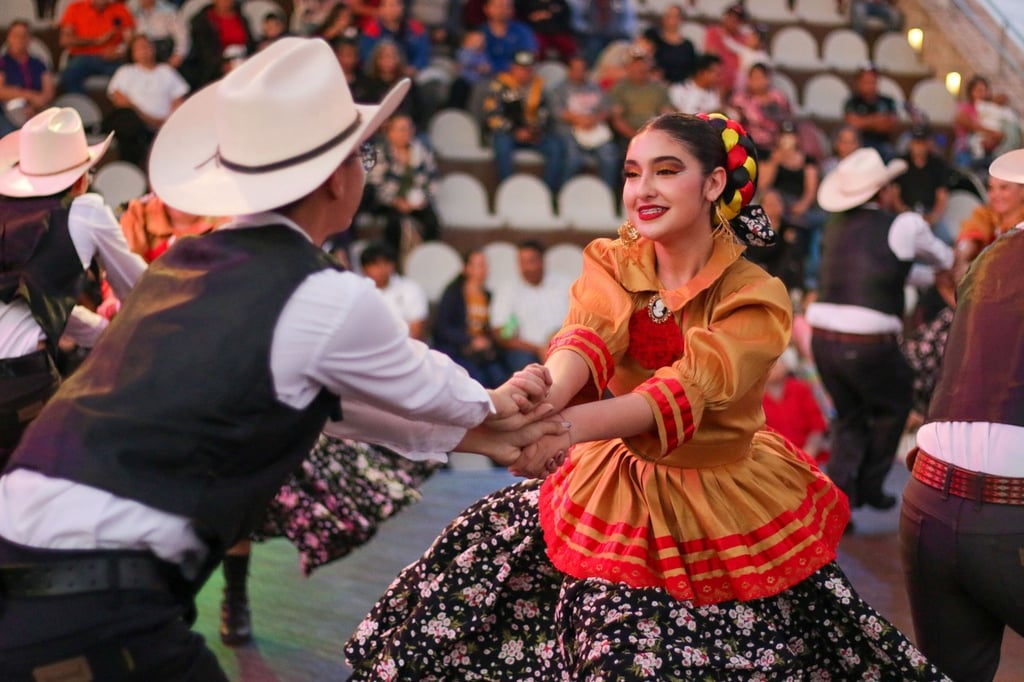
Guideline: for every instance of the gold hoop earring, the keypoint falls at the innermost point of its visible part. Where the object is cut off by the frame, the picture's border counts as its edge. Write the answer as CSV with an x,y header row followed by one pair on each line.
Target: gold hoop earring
x,y
628,233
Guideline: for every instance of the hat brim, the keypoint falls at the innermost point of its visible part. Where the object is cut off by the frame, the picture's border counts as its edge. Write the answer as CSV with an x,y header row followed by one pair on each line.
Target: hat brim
x,y
185,173
835,197
14,183
1009,167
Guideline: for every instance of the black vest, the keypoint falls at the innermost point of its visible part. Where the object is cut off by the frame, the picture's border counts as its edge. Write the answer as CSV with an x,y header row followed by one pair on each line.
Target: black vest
x,y
175,407
38,262
858,267
983,364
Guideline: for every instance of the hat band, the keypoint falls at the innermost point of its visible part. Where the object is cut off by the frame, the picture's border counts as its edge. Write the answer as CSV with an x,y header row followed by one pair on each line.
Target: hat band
x,y
292,160
56,172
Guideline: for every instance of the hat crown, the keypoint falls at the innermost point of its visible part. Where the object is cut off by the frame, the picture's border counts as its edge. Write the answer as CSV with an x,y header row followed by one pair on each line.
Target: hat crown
x,y
861,169
51,142
291,80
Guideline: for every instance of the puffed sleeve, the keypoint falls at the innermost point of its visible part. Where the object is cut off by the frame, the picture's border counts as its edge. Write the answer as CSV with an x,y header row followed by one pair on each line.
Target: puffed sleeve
x,y
745,330
597,325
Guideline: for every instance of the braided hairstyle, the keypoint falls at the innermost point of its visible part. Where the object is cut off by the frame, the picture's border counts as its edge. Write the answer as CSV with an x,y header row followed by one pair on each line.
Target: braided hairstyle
x,y
718,141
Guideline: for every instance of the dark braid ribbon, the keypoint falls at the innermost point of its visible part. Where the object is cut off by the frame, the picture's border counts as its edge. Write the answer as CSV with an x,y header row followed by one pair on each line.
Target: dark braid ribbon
x,y
750,223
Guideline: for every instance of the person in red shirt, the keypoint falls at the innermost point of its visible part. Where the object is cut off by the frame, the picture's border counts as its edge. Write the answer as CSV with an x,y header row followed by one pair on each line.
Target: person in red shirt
x,y
95,33
791,408
214,29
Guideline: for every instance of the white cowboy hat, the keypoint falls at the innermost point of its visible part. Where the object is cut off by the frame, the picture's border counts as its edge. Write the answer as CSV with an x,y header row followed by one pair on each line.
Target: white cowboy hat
x,y
1009,167
856,179
47,154
268,133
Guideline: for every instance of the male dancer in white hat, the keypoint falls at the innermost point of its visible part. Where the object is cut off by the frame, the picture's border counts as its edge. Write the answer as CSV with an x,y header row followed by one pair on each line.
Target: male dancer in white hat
x,y
215,378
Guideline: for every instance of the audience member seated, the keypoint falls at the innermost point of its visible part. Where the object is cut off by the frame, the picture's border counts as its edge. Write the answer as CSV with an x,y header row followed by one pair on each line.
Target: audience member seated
x,y
637,98
845,141
150,226
95,34
144,94
339,24
582,109
886,11
26,85
409,34
404,180
347,51
504,36
716,41
517,115
791,408
786,258
404,296
762,108
984,127
462,327
473,65
160,21
599,23
527,313
551,23
213,30
873,114
309,15
384,69
674,55
700,93
750,50
274,28
923,188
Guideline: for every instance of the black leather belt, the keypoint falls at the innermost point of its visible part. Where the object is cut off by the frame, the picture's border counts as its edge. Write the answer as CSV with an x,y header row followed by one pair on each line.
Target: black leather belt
x,y
81,576
37,362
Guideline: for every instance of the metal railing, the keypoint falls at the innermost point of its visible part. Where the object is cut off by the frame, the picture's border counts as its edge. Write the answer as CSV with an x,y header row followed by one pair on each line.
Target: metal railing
x,y
1007,58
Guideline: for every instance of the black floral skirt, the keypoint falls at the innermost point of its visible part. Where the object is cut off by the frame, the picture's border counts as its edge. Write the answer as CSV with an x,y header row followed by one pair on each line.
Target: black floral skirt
x,y
484,603
342,493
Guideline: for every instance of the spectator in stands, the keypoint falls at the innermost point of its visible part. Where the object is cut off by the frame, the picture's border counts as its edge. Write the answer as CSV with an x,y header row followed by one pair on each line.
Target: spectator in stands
x,y
473,65
274,27
791,408
26,85
749,50
462,328
385,68
347,51
699,93
551,23
845,141
785,258
924,187
982,127
505,37
309,15
794,174
582,109
762,108
95,34
160,21
213,30
872,113
602,22
637,98
527,313
339,24
392,24
404,180
674,55
407,298
732,26
517,115
886,11
144,94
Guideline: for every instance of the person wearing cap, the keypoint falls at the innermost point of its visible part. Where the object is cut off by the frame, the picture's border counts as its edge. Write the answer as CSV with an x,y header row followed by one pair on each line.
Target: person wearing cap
x,y
52,230
867,254
872,113
963,508
517,115
215,379
924,187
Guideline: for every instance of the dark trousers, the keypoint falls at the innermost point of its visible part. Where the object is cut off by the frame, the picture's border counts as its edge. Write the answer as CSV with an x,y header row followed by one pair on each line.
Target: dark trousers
x,y
871,386
134,137
114,636
964,572
26,383
425,221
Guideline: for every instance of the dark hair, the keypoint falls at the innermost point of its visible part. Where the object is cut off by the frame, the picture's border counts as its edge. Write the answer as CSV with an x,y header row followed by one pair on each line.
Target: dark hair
x,y
376,252
706,61
974,80
19,22
532,245
469,253
760,66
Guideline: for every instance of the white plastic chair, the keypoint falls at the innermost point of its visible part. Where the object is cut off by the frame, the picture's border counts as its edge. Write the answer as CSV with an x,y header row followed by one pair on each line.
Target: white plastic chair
x,y
502,264
553,73
18,9
587,204
88,111
893,54
824,96
461,202
696,33
819,13
891,88
711,9
524,202
931,97
794,47
960,205
844,49
433,265
785,84
118,182
564,259
775,11
455,135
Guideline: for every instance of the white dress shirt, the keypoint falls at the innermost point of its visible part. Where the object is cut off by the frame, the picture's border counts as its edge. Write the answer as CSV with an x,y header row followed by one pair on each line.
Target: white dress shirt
x,y
335,332
160,22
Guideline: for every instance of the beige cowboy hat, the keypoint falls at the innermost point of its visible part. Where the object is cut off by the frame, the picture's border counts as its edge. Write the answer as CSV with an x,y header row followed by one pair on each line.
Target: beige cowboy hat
x,y
856,179
1009,167
268,133
47,154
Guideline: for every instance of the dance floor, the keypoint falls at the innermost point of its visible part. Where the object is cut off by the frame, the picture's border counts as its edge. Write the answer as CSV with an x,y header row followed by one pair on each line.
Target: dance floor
x,y
301,624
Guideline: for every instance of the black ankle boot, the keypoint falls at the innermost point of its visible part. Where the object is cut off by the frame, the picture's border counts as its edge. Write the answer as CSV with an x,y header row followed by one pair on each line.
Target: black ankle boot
x,y
235,620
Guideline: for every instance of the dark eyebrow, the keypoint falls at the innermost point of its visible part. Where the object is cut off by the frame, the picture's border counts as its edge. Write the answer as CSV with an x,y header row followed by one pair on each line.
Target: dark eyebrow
x,y
658,159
